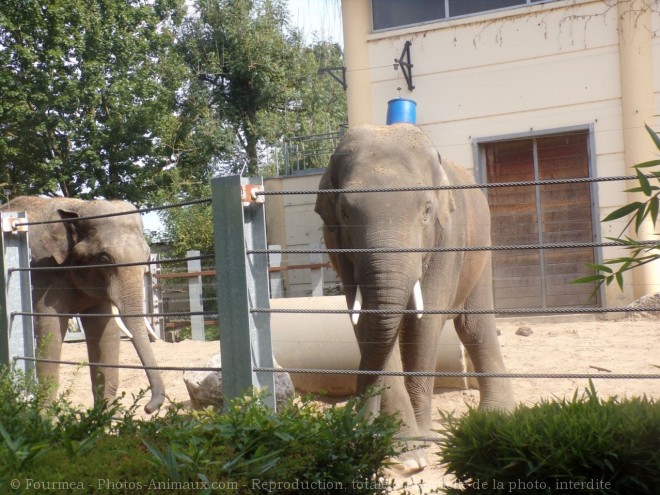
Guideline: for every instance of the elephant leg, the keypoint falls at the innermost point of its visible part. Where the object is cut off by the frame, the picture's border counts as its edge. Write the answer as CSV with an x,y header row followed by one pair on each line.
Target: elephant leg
x,y
396,400
479,336
50,331
419,345
102,337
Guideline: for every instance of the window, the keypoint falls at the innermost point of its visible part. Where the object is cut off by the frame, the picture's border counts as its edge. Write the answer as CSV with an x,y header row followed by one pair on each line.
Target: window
x,y
550,214
388,14
392,13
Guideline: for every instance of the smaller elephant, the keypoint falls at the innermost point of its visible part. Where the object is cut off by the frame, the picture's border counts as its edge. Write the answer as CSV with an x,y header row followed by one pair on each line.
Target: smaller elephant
x,y
78,242
374,278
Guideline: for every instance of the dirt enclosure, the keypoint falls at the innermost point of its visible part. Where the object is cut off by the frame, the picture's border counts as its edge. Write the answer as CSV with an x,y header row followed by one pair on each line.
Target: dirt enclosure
x,y
579,346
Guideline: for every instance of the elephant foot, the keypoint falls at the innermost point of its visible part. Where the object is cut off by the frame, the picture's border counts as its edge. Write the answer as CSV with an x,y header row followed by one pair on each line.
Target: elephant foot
x,y
411,461
154,404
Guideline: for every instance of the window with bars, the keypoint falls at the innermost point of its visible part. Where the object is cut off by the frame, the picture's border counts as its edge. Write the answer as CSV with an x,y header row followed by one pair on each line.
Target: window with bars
x,y
389,14
540,215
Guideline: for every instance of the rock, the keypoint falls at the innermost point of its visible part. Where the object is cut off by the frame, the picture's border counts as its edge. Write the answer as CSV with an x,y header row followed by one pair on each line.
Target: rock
x,y
205,387
173,336
524,331
638,308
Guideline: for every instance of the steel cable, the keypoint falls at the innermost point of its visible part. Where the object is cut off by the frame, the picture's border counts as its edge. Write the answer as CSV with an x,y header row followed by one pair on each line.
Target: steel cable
x,y
121,213
512,247
490,185
524,311
512,311
436,374
122,315
112,265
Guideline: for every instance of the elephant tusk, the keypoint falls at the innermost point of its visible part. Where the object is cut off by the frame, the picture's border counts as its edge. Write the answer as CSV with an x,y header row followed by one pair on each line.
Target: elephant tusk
x,y
150,329
120,323
418,301
357,306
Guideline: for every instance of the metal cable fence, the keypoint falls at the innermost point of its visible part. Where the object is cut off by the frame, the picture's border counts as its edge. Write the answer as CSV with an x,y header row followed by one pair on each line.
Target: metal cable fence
x,y
244,250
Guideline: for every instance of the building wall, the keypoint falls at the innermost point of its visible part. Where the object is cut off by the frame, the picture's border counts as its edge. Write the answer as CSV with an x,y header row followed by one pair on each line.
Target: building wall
x,y
292,223
548,66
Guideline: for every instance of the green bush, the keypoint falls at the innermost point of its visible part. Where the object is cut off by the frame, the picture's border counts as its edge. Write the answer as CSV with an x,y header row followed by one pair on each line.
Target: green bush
x,y
54,448
582,445
211,332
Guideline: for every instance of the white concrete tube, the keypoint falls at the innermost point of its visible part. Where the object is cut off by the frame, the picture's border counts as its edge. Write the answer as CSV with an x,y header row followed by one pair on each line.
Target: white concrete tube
x,y
327,341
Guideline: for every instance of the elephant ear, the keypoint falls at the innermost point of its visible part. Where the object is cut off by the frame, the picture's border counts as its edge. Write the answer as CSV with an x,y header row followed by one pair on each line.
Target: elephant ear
x,y
326,202
327,210
59,237
446,201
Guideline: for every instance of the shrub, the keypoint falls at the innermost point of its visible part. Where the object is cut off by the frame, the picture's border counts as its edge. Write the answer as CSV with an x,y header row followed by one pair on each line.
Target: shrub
x,y
54,448
301,447
582,445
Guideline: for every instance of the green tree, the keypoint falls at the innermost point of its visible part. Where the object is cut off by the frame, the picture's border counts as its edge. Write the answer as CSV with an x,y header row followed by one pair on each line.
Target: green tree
x,y
255,84
89,96
640,253
260,78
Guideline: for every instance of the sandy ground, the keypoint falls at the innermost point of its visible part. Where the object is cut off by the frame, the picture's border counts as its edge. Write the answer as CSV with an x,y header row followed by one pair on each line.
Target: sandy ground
x,y
579,346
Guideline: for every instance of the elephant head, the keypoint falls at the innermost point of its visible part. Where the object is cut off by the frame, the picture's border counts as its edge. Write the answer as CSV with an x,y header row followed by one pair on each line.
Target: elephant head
x,y
113,235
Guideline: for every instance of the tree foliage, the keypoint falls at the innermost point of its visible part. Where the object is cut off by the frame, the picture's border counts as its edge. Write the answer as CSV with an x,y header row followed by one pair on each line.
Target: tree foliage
x,y
254,84
641,252
259,79
89,92
147,100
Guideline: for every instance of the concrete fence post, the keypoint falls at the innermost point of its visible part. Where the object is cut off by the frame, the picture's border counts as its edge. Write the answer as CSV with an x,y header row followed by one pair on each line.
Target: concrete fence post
x,y
195,295
242,283
276,279
153,295
16,332
316,273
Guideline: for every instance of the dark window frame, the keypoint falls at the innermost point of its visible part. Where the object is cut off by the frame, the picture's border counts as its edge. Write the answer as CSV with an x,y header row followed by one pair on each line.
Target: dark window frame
x,y
418,12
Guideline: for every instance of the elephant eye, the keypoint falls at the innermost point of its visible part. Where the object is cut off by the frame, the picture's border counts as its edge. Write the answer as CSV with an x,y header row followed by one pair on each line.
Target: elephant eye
x,y
428,209
343,213
104,258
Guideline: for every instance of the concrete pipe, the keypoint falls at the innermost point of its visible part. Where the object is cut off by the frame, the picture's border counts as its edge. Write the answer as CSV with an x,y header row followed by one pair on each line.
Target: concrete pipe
x,y
314,341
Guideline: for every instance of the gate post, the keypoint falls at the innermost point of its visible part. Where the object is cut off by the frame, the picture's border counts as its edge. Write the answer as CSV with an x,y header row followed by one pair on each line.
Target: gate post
x,y
276,280
242,283
195,295
316,274
16,332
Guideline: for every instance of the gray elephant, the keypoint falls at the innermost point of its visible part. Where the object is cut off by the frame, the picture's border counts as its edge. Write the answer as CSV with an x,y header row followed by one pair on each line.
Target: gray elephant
x,y
116,290
402,155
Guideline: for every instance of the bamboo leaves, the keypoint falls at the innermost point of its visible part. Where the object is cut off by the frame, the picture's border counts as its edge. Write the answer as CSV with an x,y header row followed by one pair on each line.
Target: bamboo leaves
x,y
641,252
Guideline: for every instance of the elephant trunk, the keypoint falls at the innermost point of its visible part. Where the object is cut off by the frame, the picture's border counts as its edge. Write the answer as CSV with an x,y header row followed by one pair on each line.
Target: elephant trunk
x,y
390,287
131,302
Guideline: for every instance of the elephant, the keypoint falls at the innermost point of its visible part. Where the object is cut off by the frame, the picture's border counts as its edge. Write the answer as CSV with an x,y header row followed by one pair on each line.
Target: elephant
x,y
70,242
401,155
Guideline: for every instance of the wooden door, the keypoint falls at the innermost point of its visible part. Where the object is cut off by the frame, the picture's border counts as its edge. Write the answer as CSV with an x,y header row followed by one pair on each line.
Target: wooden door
x,y
532,215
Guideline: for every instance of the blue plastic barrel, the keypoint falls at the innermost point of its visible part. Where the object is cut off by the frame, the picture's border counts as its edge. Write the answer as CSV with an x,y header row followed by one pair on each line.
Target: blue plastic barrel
x,y
401,111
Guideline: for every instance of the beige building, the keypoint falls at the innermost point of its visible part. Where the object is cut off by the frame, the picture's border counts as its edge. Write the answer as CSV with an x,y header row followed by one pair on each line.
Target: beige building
x,y
529,90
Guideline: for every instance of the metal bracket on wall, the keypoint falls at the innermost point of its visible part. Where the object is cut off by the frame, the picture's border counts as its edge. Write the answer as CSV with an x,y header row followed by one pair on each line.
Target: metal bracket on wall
x,y
249,194
404,62
13,225
331,70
